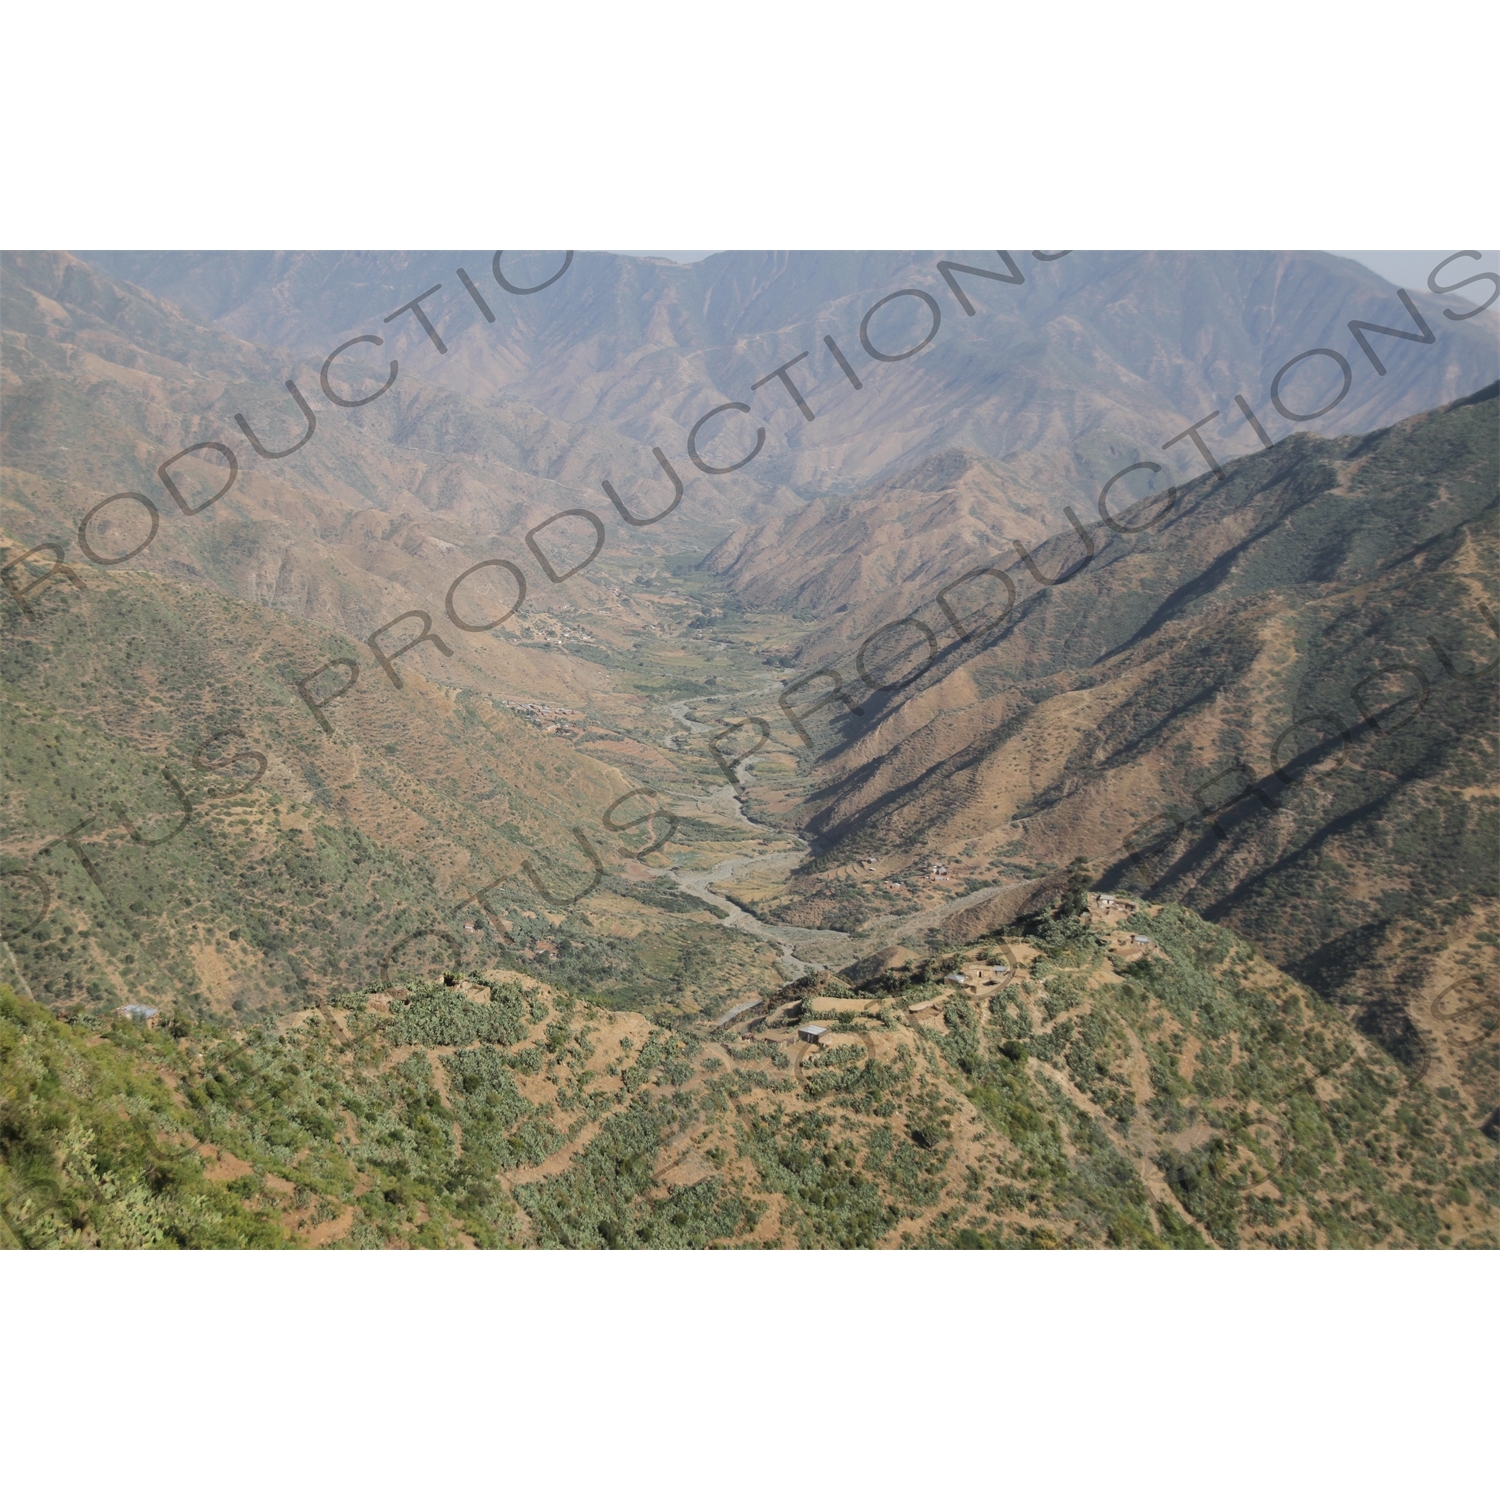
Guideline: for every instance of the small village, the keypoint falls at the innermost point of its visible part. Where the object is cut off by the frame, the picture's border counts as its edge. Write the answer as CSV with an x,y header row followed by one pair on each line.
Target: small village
x,y
827,1021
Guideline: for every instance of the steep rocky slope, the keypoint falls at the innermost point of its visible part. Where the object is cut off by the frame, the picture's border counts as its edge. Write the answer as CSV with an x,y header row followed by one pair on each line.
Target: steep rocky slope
x,y
1276,702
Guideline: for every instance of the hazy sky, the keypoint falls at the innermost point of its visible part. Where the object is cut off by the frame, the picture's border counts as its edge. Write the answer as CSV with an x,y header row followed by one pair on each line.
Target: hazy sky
x,y
1409,268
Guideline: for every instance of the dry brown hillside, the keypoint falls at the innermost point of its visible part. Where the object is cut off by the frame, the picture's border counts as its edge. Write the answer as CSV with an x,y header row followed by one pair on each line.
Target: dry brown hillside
x,y
1277,702
862,558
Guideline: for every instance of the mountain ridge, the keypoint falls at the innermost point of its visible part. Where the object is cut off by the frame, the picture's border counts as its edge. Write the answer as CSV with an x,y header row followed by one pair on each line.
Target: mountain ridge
x,y
1097,348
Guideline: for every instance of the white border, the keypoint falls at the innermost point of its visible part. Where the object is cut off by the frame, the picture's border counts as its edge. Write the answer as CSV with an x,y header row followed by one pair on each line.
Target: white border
x,y
1291,124
924,1373
771,125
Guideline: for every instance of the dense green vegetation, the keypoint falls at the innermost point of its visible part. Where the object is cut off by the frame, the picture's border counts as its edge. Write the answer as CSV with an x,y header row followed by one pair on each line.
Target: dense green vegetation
x,y
348,1111
604,1201
85,1152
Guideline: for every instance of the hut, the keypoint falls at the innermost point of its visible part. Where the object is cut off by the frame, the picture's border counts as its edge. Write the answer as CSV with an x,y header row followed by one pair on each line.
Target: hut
x,y
810,1033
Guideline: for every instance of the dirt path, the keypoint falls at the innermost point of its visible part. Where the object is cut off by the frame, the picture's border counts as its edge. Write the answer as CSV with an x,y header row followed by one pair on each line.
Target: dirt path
x,y
554,1163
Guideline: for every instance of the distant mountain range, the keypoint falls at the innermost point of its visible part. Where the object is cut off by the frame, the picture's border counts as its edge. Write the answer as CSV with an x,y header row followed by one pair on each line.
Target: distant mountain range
x,y
1074,361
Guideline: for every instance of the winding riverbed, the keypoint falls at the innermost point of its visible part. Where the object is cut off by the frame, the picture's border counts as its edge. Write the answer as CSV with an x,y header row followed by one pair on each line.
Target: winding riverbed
x,y
825,947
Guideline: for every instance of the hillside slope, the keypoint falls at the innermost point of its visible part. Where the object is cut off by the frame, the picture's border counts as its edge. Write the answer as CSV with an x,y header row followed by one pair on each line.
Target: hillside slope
x,y
1087,1097
178,827
892,543
375,514
1277,704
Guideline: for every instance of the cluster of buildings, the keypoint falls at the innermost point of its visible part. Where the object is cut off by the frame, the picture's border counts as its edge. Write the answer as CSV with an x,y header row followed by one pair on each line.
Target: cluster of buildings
x,y
1118,906
936,871
976,979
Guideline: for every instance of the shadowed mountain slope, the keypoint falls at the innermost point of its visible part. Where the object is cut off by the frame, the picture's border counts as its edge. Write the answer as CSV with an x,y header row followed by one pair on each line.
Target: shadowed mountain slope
x,y
1276,703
